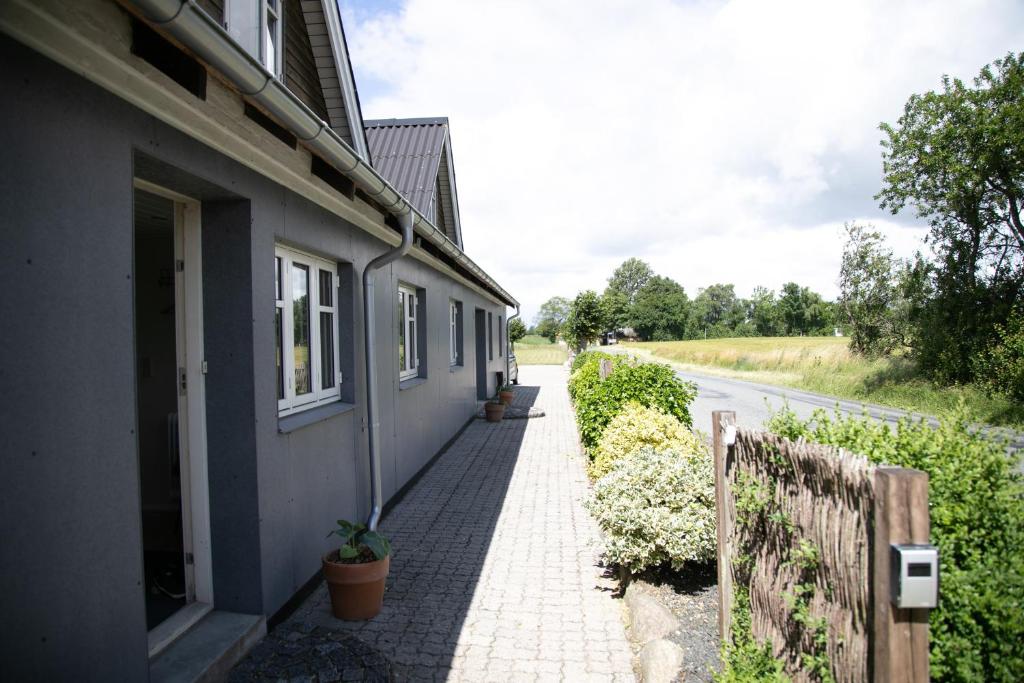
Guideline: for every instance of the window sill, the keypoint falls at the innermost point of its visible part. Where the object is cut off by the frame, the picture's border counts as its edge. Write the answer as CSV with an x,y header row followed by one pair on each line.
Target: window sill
x,y
456,367
411,382
290,423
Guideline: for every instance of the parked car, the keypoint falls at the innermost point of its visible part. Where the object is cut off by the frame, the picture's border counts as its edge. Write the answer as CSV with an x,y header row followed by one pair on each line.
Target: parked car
x,y
513,369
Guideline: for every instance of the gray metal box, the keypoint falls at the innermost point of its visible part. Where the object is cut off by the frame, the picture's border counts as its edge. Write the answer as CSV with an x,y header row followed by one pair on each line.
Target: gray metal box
x,y
915,576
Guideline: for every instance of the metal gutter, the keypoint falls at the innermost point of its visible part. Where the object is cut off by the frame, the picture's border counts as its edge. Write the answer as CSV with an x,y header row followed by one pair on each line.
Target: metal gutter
x,y
370,341
195,29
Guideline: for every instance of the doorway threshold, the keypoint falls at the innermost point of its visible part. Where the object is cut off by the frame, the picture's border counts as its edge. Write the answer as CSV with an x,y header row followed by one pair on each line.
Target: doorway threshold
x,y
208,650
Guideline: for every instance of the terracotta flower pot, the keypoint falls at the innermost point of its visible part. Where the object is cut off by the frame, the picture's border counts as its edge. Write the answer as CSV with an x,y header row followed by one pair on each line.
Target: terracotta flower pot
x,y
494,411
506,397
357,590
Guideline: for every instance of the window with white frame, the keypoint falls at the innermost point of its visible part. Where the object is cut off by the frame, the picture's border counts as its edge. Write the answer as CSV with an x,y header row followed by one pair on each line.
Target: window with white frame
x,y
408,351
501,336
455,332
305,323
273,50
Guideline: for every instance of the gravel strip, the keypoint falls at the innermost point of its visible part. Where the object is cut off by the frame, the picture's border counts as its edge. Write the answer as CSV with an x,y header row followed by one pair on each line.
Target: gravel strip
x,y
692,596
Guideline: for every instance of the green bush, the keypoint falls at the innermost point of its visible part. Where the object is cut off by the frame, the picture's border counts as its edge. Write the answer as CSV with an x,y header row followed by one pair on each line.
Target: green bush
x,y
649,384
976,500
656,507
638,426
592,357
1000,369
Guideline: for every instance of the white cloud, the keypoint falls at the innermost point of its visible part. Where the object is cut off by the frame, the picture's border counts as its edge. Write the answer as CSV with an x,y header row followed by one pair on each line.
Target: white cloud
x,y
719,141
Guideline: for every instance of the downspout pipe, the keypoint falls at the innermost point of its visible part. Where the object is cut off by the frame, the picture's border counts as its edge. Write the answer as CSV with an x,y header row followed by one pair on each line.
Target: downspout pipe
x,y
370,341
508,349
194,28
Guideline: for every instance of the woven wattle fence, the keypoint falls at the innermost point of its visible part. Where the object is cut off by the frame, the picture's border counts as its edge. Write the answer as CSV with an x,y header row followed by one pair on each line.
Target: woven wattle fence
x,y
778,501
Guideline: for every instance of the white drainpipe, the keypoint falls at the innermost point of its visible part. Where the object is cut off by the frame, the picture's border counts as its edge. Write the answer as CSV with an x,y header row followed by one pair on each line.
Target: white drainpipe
x,y
370,341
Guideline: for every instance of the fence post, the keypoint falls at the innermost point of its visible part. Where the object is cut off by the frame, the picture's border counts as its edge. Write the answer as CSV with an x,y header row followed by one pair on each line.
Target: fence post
x,y
720,419
899,643
606,368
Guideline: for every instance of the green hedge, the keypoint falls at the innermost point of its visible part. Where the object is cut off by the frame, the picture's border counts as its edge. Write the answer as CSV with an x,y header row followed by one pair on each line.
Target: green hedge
x,y
976,496
649,384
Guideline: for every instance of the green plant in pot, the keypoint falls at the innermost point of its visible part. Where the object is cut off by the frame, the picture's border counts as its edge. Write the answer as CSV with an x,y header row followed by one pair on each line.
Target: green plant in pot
x,y
355,572
506,394
494,409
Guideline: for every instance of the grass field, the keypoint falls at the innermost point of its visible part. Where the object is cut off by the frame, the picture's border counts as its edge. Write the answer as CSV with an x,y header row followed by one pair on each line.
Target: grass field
x,y
826,365
536,350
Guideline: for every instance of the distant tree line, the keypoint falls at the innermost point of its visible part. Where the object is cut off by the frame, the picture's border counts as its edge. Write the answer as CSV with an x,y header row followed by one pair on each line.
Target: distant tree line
x,y
657,308
957,158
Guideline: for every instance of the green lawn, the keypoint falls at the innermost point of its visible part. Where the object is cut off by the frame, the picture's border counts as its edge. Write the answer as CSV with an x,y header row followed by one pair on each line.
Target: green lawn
x,y
536,350
826,365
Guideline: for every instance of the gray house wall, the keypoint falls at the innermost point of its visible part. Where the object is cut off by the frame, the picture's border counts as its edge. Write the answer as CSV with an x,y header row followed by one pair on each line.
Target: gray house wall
x,y
70,505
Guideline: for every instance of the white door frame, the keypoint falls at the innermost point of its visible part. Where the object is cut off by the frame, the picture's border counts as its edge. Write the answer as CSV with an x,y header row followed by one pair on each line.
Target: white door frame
x,y
195,489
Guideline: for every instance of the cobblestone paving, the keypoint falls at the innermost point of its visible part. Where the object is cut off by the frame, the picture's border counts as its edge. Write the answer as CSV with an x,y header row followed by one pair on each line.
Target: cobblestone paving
x,y
306,653
495,573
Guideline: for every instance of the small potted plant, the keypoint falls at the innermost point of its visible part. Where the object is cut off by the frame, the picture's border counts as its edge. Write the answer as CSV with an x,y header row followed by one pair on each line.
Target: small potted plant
x,y
494,410
356,571
505,394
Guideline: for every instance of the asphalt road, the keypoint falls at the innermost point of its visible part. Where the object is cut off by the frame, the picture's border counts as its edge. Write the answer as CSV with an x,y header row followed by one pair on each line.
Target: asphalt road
x,y
754,403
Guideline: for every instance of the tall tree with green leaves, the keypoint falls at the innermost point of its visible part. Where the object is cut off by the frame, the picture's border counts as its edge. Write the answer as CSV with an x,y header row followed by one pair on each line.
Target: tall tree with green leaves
x,y
516,330
713,312
873,308
661,310
585,321
957,157
617,309
551,316
629,278
764,313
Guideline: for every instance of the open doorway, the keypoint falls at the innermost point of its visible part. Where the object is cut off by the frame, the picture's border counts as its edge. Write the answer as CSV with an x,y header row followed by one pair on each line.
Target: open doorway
x,y
170,412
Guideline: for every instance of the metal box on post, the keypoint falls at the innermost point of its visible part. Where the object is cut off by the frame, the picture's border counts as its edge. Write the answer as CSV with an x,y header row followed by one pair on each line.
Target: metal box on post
x,y
915,576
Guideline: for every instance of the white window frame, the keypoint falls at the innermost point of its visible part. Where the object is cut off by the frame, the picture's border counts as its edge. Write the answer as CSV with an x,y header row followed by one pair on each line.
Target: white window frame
x,y
411,367
249,23
453,332
292,403
270,40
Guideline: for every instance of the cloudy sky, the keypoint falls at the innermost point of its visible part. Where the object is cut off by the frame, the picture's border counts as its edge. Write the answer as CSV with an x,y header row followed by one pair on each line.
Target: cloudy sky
x,y
718,140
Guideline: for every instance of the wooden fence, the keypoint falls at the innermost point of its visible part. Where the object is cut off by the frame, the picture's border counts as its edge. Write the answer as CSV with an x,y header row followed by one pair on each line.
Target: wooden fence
x,y
804,535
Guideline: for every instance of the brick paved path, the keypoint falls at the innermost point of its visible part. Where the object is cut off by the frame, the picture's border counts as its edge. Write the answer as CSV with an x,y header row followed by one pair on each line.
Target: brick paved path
x,y
494,575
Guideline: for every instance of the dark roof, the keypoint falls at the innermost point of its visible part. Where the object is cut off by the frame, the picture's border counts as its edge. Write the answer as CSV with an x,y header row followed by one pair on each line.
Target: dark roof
x,y
414,155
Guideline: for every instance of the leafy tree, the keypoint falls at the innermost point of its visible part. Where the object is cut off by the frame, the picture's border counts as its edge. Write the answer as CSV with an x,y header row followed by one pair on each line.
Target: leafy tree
x,y
516,330
551,317
617,310
763,313
661,310
957,157
585,321
715,311
871,299
630,278
804,312
1000,368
